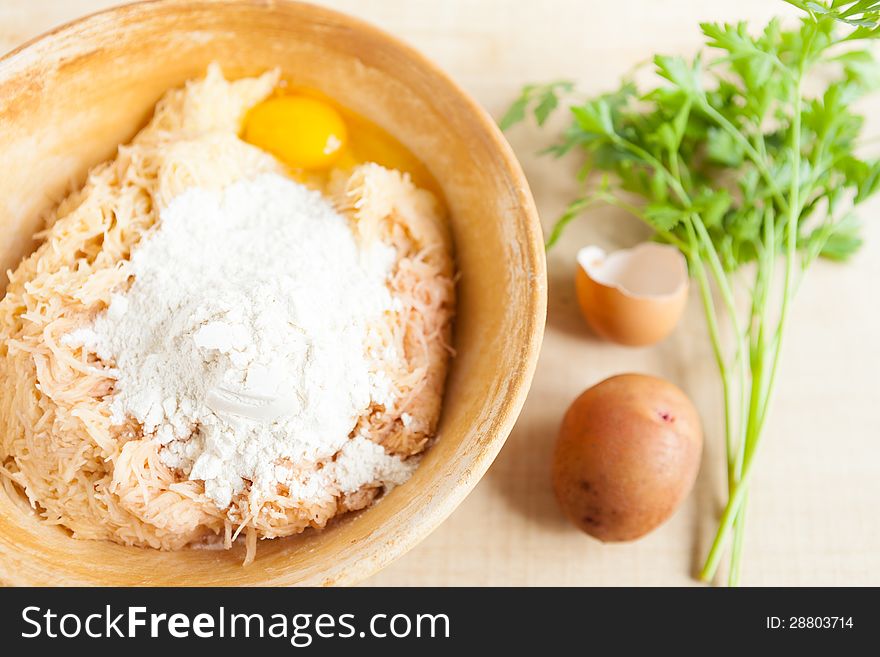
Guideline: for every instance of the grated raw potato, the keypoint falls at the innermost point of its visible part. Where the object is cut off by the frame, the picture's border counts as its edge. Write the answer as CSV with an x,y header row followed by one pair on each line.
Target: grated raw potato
x,y
57,443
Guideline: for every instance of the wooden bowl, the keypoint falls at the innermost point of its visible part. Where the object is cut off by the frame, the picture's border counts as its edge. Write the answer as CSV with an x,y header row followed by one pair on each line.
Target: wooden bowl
x,y
70,97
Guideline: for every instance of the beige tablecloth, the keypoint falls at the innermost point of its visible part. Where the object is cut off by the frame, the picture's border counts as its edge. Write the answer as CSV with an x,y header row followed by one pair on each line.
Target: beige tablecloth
x,y
814,508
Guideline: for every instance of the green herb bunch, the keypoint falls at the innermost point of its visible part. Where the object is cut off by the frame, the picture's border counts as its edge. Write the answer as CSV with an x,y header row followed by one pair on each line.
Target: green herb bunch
x,y
729,159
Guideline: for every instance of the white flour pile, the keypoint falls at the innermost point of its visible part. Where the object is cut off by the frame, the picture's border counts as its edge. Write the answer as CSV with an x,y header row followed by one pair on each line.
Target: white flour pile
x,y
201,349
240,345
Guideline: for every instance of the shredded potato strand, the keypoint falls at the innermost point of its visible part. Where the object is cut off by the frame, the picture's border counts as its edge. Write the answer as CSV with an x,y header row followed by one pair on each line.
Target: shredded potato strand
x,y
57,443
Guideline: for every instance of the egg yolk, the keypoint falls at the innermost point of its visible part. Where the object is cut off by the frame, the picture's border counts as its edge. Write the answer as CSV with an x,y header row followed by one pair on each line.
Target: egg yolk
x,y
301,131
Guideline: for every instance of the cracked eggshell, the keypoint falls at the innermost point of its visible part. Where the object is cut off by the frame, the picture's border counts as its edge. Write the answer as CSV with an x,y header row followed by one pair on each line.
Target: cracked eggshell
x,y
633,296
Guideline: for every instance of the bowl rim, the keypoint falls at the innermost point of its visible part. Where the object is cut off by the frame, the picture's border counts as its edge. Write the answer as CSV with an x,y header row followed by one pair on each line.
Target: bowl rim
x,y
508,410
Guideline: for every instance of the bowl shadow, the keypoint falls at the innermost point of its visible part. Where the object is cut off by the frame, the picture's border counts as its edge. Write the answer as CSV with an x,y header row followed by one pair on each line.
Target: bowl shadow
x,y
521,474
563,312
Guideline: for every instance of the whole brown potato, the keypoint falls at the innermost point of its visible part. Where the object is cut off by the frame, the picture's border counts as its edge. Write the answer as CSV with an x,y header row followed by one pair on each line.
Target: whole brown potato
x,y
627,455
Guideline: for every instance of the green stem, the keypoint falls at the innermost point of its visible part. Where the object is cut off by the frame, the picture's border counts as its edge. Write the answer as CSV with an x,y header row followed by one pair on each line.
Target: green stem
x,y
714,334
756,425
739,361
726,292
656,164
727,518
758,357
738,540
753,154
764,281
580,205
572,211
790,260
634,210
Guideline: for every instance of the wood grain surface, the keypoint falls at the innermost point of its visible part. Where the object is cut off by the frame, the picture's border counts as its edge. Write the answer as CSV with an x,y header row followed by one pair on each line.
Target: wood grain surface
x,y
813,517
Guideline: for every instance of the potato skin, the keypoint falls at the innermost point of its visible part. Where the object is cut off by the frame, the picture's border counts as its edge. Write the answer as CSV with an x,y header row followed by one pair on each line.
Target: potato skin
x,y
627,455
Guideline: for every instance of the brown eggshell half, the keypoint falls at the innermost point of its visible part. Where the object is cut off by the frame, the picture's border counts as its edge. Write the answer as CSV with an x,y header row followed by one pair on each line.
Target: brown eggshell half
x,y
634,297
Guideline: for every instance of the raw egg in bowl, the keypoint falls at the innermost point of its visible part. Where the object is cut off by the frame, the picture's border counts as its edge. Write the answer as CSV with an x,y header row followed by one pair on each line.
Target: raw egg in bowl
x,y
67,101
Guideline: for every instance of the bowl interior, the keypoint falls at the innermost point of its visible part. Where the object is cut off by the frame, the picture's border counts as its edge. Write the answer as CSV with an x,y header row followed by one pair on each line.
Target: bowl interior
x,y
66,102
